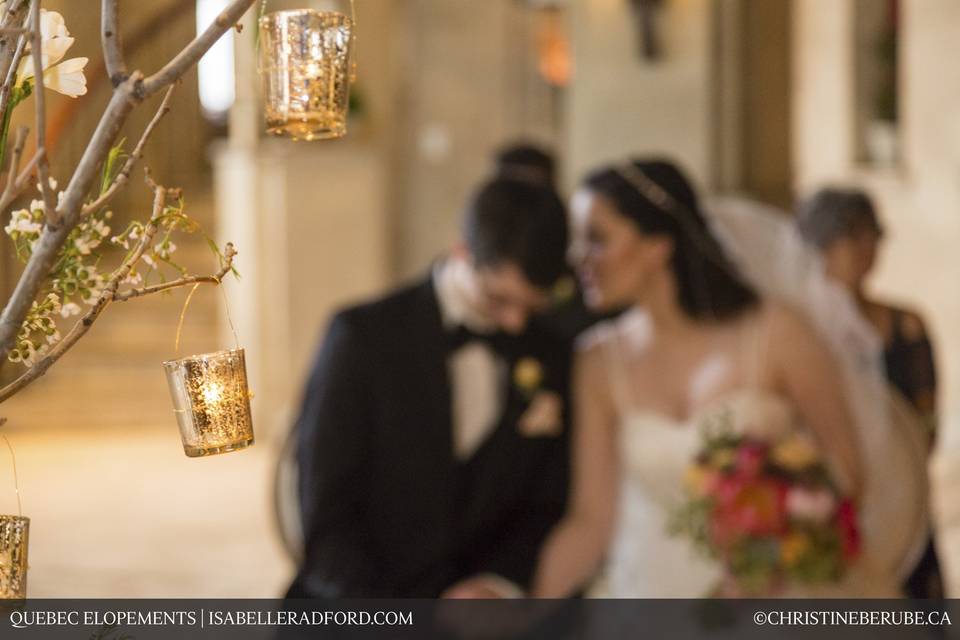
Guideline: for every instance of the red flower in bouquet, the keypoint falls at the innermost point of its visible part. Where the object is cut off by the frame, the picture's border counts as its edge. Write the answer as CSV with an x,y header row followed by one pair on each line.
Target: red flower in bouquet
x,y
751,459
748,506
849,530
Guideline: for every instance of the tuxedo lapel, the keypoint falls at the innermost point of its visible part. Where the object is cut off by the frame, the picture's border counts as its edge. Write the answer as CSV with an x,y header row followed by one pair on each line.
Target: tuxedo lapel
x,y
430,351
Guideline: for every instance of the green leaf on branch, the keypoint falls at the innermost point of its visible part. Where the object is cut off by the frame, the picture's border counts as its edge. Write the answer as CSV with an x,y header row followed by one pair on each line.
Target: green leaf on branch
x,y
111,166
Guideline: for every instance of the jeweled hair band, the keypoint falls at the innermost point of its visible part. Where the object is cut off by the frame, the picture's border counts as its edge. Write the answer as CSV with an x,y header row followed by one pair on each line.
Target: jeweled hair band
x,y
650,190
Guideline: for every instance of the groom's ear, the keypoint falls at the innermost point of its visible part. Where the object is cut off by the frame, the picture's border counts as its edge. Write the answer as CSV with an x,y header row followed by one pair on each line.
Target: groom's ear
x,y
461,251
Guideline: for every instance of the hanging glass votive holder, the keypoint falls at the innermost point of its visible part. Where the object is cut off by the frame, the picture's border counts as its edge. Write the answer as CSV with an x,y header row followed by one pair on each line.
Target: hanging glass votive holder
x,y
14,541
305,61
211,399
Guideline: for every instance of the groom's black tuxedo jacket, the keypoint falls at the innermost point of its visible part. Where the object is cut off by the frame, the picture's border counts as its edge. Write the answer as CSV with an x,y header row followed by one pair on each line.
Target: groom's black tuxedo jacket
x,y
388,511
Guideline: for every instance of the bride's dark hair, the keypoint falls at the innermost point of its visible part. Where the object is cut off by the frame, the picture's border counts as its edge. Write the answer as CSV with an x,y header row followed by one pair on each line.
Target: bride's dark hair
x,y
658,198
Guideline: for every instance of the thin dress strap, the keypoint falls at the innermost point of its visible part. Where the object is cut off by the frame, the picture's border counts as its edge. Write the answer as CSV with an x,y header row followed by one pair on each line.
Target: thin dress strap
x,y
758,343
616,368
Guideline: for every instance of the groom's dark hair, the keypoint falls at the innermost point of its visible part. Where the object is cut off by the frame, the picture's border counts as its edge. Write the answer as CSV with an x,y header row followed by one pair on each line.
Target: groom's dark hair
x,y
517,217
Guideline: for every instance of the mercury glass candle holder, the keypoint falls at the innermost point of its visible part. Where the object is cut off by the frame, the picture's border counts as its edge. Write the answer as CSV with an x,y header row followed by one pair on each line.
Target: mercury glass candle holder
x,y
305,62
14,538
212,402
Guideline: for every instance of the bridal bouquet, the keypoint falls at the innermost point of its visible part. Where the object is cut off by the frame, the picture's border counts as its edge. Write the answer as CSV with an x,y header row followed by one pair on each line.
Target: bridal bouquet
x,y
768,512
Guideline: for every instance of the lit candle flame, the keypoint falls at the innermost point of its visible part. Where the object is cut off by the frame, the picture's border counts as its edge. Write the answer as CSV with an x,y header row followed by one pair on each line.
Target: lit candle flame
x,y
212,393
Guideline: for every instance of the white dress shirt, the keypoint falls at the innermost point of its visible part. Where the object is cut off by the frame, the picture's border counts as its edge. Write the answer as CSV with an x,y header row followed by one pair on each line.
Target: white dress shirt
x,y
477,377
477,373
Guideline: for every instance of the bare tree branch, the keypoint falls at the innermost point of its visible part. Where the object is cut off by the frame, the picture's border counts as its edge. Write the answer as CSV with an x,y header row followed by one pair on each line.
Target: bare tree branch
x,y
124,176
43,164
126,96
228,255
195,50
12,192
112,45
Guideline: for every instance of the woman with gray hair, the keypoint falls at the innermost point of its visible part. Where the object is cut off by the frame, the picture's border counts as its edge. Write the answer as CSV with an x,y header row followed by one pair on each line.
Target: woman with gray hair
x,y
843,225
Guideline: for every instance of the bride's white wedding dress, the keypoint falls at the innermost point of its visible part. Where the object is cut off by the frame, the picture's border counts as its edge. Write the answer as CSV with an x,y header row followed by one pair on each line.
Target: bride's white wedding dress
x,y
645,560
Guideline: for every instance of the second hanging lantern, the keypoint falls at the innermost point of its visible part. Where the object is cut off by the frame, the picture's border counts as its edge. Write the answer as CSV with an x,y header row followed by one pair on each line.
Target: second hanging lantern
x,y
306,63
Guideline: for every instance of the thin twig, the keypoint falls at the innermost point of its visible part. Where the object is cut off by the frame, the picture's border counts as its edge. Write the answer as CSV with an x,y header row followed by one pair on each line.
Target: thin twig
x,y
82,326
16,16
124,176
19,141
11,76
112,45
110,294
195,50
43,165
12,8
217,278
12,193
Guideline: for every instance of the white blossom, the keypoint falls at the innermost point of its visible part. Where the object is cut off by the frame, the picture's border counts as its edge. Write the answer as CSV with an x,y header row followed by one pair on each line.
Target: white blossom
x,y
165,249
69,309
84,245
22,221
99,227
50,181
65,77
53,300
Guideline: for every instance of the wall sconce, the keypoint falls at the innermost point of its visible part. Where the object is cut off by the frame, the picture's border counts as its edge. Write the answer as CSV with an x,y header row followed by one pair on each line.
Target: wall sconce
x,y
646,14
554,57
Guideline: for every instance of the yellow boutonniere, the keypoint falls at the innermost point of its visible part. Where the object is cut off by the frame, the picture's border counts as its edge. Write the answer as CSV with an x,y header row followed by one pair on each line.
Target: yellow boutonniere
x,y
528,375
563,290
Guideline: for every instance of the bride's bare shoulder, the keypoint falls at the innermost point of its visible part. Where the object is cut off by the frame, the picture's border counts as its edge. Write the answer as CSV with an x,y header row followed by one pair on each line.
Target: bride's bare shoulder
x,y
786,325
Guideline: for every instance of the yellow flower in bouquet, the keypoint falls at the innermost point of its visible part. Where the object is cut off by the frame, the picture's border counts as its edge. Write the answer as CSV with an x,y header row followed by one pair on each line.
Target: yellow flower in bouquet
x,y
699,479
793,546
795,453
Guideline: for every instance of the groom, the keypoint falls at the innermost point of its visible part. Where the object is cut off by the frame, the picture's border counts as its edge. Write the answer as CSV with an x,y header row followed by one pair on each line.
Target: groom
x,y
433,434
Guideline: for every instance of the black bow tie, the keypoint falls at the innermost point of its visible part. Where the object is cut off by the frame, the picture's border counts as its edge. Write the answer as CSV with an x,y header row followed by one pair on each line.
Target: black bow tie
x,y
461,336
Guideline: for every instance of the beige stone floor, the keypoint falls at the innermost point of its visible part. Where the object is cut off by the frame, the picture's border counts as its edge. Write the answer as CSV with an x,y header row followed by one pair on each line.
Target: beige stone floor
x,y
123,513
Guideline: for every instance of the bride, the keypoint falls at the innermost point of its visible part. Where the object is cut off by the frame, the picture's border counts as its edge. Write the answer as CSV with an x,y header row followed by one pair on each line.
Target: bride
x,y
698,343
